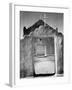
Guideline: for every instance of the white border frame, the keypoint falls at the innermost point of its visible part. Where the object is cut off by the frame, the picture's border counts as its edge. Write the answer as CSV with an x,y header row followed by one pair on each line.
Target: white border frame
x,y
15,54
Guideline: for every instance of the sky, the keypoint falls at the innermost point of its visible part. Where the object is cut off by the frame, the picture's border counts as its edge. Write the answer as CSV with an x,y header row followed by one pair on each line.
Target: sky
x,y
27,19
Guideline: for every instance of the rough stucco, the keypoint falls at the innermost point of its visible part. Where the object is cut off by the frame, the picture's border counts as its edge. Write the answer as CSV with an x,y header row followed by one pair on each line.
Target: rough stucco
x,y
60,60
26,66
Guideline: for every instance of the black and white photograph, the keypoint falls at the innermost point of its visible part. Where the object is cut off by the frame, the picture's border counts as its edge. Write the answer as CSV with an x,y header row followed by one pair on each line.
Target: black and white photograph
x,y
41,44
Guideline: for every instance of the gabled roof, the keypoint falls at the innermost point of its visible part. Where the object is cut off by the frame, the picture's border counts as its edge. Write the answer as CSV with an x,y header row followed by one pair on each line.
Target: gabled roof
x,y
36,25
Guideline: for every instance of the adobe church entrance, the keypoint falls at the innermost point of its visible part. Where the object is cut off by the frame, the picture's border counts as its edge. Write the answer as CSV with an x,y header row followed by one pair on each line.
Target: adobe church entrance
x,y
44,56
